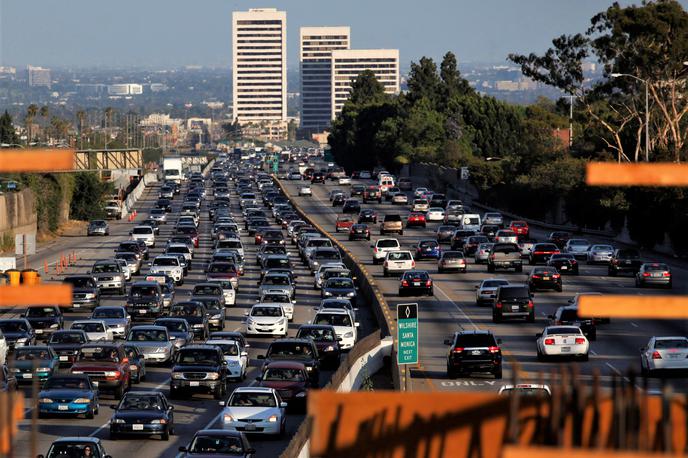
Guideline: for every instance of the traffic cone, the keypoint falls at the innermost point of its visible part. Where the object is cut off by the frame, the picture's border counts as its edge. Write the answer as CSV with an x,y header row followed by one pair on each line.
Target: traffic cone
x,y
45,266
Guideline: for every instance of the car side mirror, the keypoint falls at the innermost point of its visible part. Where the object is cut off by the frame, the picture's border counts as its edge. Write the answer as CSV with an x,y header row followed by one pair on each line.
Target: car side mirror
x,y
339,339
225,363
251,450
182,448
447,342
283,405
570,301
246,313
107,456
170,407
261,356
357,324
258,379
244,353
643,348
113,406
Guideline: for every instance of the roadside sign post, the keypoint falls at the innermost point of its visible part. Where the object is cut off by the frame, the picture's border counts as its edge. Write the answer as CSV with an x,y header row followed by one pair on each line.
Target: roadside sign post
x,y
407,334
25,244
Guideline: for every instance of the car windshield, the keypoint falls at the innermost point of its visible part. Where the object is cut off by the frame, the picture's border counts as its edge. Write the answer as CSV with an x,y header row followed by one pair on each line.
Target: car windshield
x,y
399,256
428,244
511,293
279,374
103,312
326,254
561,257
333,319
472,221
166,261
105,268
42,312
656,267
494,283
186,310
518,224
30,354
289,349
142,231
453,255
317,243
143,291
266,311
602,248
88,326
80,282
197,356
178,250
173,325
252,400
221,268
475,340
108,354
276,280
317,334
67,338
126,256
228,349
147,335
416,276
389,243
563,330
671,343
207,290
140,402
339,283
69,383
279,298
221,445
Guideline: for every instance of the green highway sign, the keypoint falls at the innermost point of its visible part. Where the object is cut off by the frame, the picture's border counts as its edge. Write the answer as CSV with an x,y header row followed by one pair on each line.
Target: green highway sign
x,y
407,333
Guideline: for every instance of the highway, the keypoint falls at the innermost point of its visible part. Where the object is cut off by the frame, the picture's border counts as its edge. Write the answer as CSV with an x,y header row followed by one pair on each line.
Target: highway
x,y
201,411
453,307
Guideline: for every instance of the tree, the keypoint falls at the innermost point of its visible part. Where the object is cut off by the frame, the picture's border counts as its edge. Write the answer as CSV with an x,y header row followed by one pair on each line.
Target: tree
x,y
366,89
89,196
452,82
44,112
423,82
31,112
7,132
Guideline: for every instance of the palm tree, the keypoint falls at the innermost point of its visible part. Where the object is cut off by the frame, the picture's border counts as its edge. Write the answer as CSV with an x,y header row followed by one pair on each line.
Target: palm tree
x,y
80,116
109,111
31,112
44,112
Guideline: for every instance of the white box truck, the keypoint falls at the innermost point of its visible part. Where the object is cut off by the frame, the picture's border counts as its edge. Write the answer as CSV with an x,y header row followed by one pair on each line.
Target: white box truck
x,y
172,169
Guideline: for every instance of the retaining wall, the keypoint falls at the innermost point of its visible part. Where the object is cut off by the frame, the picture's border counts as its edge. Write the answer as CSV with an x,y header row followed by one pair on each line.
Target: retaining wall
x,y
18,213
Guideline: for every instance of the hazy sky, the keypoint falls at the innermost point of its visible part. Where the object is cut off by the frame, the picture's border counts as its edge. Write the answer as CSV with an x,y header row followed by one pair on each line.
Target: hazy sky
x,y
173,33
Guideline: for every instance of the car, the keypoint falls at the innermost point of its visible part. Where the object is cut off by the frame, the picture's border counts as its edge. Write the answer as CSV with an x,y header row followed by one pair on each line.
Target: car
x,y
340,287
482,253
474,351
526,389
159,215
420,205
505,236
486,290
132,260
338,200
513,301
169,265
39,361
567,315
266,319
68,395
577,247
291,379
541,252
452,260
85,291
323,255
199,368
343,322
427,249
489,231
416,219
367,215
216,442
94,329
520,228
133,246
318,177
624,260
115,317
415,282
397,262
98,227
277,281
344,180
664,354
565,263
319,277
325,338
215,308
420,191
106,364
601,254
434,214
372,193
562,341
44,320
145,300
493,218
459,238
359,232
653,274
142,413
153,342
351,206
504,256
343,223
559,238
383,246
178,329
302,351
228,271
137,363
262,405
125,268
195,313
76,447
545,278
305,190
526,246
471,244
236,356
399,198
295,176
66,344
145,233
108,275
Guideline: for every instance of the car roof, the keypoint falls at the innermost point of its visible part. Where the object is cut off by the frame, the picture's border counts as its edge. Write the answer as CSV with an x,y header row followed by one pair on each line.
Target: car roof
x,y
93,440
255,389
218,432
198,346
148,326
145,283
482,332
286,364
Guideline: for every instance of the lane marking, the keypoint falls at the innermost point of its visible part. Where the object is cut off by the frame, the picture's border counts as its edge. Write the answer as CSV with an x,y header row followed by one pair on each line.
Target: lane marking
x,y
634,325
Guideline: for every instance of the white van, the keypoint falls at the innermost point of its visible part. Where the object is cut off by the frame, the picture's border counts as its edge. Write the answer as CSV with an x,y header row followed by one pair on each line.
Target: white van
x,y
144,233
385,182
470,222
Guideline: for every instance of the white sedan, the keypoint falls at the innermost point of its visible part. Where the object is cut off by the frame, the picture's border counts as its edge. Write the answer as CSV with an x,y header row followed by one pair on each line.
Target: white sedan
x,y
434,214
664,353
562,341
94,329
267,319
261,405
305,191
400,199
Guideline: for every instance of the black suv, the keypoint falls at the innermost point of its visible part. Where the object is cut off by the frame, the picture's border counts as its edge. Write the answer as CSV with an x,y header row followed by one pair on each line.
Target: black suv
x,y
199,368
567,315
44,319
196,314
513,301
304,351
145,300
625,260
474,351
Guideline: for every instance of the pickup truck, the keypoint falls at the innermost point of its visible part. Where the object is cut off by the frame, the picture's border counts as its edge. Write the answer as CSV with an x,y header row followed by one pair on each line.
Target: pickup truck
x,y
113,209
504,256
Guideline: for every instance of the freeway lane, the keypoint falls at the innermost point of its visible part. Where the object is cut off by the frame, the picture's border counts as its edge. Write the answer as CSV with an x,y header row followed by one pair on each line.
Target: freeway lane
x,y
201,411
453,307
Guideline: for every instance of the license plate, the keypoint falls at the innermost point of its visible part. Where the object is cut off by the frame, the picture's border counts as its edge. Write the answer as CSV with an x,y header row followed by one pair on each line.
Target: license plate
x,y
476,352
250,427
76,306
27,375
39,331
515,308
63,407
565,349
143,311
194,384
64,358
627,262
654,275
545,278
564,268
137,427
416,283
671,356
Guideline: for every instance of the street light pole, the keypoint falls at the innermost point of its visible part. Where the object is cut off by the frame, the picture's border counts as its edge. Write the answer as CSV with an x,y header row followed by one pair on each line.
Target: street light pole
x,y
647,110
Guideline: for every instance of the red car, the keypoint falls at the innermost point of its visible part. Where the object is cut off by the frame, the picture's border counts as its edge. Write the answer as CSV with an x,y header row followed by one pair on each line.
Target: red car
x,y
190,231
415,219
343,223
290,379
520,228
107,365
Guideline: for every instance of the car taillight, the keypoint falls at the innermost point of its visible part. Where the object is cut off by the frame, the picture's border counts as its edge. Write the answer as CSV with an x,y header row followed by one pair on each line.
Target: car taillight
x,y
386,264
580,341
556,276
458,349
549,341
537,252
535,276
667,274
428,283
492,256
375,250
493,349
498,305
656,355
530,304
573,261
404,283
413,263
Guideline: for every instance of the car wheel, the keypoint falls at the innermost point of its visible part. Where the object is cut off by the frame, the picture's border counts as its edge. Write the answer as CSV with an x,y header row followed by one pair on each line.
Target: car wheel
x,y
218,392
385,273
119,391
165,436
498,373
519,268
612,273
440,270
531,318
584,357
451,372
496,318
90,414
113,436
540,356
122,291
401,232
490,268
559,288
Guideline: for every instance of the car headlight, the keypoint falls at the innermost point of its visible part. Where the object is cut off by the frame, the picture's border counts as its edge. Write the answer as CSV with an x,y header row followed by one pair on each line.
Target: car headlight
x,y
46,401
22,340
351,294
329,348
54,326
82,401
133,367
112,373
197,325
161,350
177,375
328,293
349,334
212,376
77,372
159,421
90,296
301,394
309,368
215,317
227,418
42,369
273,418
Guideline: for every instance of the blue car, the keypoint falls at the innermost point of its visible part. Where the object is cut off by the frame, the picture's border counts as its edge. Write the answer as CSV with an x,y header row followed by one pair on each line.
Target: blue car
x,y
68,395
428,249
45,358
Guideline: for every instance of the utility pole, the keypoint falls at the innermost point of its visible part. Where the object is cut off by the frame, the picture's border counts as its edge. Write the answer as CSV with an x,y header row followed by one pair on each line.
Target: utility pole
x,y
571,97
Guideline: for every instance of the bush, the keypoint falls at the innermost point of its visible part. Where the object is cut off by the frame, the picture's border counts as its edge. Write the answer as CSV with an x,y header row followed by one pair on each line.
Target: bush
x,y
89,197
